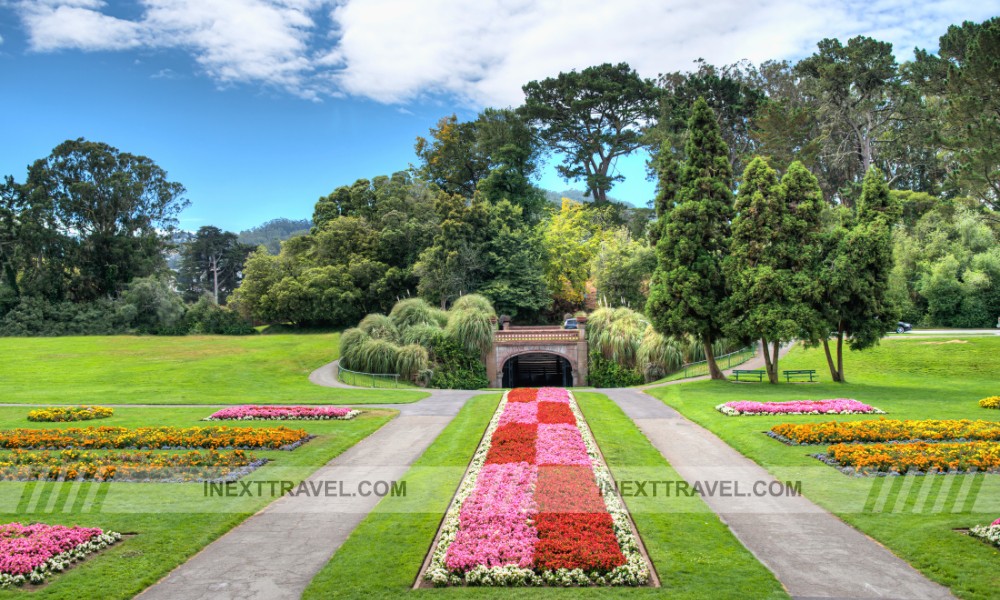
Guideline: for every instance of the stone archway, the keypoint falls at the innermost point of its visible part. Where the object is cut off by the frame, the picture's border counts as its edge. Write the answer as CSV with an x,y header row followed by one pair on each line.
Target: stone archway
x,y
536,369
569,346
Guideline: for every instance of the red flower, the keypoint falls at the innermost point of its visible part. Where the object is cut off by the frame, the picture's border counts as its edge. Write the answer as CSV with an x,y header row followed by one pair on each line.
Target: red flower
x,y
514,442
555,412
577,541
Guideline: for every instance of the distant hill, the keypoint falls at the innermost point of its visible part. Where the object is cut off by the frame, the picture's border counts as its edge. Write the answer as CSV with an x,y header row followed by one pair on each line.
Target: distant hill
x,y
578,196
273,232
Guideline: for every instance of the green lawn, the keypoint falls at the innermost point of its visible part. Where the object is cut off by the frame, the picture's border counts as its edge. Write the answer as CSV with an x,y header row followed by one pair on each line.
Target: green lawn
x,y
695,555
176,370
916,517
171,521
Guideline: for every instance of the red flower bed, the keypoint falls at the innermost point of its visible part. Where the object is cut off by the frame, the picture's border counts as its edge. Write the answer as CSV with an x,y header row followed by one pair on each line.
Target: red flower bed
x,y
555,412
577,541
514,442
568,489
522,395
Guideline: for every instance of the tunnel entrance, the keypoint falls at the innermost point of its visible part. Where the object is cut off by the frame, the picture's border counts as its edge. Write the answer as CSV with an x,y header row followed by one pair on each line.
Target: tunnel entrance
x,y
537,369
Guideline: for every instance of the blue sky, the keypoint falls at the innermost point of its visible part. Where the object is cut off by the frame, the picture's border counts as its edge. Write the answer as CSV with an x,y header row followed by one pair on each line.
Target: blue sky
x,y
261,106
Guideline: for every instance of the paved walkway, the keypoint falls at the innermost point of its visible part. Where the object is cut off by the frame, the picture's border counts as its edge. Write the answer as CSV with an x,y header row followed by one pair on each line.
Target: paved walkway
x,y
275,554
811,552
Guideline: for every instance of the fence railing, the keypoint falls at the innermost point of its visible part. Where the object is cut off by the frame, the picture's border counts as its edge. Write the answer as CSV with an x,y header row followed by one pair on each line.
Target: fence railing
x,y
524,335
369,380
726,361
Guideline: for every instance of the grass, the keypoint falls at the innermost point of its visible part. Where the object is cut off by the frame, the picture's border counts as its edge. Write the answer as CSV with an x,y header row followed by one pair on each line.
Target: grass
x,y
689,546
171,521
260,369
915,517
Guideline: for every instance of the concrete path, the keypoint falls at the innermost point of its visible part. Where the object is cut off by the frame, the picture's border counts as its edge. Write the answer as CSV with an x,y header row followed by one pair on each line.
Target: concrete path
x,y
811,552
275,554
326,376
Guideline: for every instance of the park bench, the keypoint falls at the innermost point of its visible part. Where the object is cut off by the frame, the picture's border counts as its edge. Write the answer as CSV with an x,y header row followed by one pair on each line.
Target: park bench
x,y
811,373
749,374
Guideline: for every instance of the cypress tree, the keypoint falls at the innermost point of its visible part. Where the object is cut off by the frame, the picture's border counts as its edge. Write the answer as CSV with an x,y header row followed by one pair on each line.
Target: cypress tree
x,y
688,289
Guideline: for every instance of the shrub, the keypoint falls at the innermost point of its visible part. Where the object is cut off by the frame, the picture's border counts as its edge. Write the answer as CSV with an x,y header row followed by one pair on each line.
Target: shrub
x,y
153,306
991,402
658,355
411,312
377,356
379,327
604,373
472,329
411,360
476,303
37,317
456,367
206,317
350,347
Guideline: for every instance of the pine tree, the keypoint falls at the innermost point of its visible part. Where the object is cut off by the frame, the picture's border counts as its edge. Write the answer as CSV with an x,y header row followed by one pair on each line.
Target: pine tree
x,y
688,289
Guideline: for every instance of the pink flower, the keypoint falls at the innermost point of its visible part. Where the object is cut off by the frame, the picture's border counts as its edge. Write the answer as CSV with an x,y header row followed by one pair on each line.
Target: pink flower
x,y
25,547
995,523
519,412
560,444
251,411
553,395
834,406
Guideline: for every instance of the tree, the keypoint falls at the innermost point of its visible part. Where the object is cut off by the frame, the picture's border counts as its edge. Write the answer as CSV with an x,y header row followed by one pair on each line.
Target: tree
x,y
622,268
688,289
514,263
212,262
273,232
593,117
454,264
111,209
963,79
732,95
856,301
856,86
771,265
571,239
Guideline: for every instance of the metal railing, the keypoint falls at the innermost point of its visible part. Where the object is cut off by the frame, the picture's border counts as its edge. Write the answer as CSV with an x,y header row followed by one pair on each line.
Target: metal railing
x,y
526,335
726,361
369,380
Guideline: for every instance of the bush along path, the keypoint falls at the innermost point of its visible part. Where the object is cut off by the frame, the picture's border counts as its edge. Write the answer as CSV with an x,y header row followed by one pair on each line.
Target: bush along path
x,y
811,552
275,553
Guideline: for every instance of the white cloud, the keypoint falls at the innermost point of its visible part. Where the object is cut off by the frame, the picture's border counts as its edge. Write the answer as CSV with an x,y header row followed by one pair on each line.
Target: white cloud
x,y
395,51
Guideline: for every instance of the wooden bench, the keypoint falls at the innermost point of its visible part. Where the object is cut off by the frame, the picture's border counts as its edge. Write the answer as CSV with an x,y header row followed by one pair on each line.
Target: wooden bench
x,y
811,373
749,374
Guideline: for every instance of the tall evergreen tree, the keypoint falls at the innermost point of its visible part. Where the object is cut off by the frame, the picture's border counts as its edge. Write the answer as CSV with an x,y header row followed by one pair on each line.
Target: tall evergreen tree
x,y
688,288
856,300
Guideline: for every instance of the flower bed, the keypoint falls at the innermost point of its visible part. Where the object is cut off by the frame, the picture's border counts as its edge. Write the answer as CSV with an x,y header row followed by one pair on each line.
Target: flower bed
x,y
530,510
250,412
988,533
885,430
835,406
991,402
59,414
31,553
146,466
918,457
150,438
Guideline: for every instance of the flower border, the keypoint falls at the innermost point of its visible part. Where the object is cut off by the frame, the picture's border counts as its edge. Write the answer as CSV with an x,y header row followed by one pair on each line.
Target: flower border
x,y
729,411
987,533
307,417
635,572
61,562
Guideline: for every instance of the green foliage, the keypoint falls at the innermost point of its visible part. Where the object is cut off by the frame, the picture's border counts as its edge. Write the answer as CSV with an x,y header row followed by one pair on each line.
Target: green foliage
x,y
571,239
38,317
604,373
688,290
411,360
592,117
472,329
455,366
421,334
273,232
350,348
211,263
150,305
205,317
515,260
622,268
658,355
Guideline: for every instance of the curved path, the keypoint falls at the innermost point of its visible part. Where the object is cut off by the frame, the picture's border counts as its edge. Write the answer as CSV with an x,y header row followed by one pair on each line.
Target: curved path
x,y
276,553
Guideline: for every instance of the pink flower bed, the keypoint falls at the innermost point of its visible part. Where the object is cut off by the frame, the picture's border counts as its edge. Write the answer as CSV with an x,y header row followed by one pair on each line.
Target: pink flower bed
x,y
836,406
495,532
251,412
32,552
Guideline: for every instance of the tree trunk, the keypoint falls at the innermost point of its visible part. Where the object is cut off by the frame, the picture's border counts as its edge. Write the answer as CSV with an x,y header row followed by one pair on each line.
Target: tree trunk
x,y
774,360
713,368
840,352
834,374
768,364
215,278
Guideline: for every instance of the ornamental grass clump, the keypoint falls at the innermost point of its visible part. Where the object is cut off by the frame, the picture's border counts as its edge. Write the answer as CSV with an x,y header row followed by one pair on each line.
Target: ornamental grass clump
x,y
471,329
658,355
411,360
379,327
991,402
350,348
422,335
412,311
476,303
378,357
61,414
